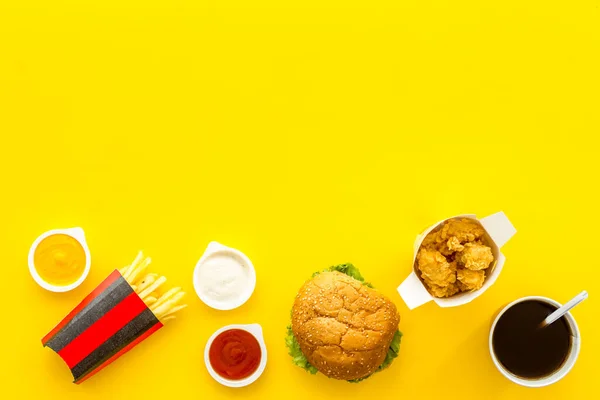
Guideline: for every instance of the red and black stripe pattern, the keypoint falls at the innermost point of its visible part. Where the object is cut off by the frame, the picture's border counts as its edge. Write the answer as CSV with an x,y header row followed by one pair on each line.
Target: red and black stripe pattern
x,y
105,325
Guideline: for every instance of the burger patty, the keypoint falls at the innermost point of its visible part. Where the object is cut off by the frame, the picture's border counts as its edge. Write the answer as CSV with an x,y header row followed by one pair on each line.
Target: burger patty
x,y
343,327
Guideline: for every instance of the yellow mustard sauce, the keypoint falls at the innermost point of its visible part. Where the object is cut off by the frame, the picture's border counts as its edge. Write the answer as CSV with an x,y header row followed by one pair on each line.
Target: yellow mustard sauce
x,y
59,260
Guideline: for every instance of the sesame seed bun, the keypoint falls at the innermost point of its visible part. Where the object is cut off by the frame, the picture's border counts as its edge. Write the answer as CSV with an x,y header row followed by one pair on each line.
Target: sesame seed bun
x,y
343,327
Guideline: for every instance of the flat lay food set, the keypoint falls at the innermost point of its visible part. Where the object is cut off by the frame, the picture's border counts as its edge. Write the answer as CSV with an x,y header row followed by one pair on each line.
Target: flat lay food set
x,y
299,199
341,325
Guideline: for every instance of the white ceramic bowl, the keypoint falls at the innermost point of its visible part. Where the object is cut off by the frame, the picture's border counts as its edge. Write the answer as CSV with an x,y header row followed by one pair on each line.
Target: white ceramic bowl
x,y
75,233
213,249
256,331
558,374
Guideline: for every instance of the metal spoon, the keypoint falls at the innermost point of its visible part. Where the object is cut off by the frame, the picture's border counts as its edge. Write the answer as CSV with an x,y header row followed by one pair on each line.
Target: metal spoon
x,y
564,309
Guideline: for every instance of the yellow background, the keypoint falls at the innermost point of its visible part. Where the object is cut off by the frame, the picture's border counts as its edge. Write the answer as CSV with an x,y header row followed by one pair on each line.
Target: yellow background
x,y
305,133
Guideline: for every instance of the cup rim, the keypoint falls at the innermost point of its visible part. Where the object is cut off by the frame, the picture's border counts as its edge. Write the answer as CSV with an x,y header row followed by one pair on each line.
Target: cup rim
x,y
256,331
556,375
244,297
77,234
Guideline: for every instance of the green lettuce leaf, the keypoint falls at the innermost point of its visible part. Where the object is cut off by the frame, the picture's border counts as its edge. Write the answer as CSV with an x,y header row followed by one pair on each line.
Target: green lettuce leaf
x,y
348,269
299,359
389,357
392,351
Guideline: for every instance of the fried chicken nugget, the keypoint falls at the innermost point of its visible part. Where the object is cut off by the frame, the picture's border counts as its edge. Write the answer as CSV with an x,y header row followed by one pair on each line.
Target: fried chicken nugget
x,y
435,269
452,258
475,256
432,239
464,230
448,247
444,291
470,280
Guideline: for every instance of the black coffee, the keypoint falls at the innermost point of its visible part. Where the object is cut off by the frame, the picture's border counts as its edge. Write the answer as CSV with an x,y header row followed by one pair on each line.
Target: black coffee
x,y
523,347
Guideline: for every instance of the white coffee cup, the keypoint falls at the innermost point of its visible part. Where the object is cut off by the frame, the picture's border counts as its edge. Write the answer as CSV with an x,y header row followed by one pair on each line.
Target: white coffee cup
x,y
559,373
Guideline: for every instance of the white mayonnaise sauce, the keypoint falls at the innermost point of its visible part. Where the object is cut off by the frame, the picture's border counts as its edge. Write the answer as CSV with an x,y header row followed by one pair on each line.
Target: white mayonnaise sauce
x,y
223,277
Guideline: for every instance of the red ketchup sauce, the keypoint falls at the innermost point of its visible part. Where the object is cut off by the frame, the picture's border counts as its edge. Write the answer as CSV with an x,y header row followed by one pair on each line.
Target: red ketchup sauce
x,y
235,354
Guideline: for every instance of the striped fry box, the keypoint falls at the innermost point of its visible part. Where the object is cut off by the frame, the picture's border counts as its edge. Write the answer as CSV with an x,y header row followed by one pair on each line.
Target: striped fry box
x,y
105,325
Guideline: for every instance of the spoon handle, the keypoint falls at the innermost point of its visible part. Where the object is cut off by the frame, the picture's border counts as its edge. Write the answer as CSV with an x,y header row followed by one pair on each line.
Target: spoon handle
x,y
564,309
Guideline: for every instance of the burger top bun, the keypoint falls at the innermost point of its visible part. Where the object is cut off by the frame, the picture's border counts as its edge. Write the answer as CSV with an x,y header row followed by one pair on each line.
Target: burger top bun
x,y
344,328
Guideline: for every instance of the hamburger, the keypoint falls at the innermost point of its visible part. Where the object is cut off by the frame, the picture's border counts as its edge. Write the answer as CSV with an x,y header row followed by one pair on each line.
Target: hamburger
x,y
342,327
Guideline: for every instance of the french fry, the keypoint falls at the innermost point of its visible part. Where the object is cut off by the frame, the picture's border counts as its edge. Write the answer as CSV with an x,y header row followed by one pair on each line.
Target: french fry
x,y
132,266
147,281
139,269
166,296
173,310
178,297
163,309
145,285
150,300
152,287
